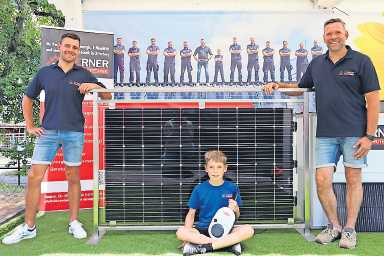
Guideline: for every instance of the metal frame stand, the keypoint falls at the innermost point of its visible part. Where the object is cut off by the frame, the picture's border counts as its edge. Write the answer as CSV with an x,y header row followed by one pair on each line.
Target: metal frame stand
x,y
303,182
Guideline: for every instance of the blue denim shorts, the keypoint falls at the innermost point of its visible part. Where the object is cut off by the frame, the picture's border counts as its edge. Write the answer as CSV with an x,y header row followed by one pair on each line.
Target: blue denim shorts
x,y
47,145
329,150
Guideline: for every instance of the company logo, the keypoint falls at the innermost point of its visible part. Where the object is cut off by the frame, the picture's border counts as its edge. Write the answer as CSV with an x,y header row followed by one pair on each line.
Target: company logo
x,y
346,73
378,144
74,83
227,196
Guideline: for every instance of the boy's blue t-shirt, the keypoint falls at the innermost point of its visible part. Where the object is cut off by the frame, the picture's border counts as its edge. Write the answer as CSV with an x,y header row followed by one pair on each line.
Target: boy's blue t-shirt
x,y
207,199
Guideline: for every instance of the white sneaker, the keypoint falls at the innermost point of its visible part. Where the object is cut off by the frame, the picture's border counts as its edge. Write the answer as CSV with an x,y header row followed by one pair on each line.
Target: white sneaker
x,y
76,229
20,233
236,249
191,249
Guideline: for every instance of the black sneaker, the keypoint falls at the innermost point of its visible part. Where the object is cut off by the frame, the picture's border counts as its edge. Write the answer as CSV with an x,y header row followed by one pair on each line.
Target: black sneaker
x,y
191,249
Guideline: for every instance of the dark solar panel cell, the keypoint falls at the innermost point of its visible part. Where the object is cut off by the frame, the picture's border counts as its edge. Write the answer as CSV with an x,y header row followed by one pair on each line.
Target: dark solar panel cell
x,y
155,157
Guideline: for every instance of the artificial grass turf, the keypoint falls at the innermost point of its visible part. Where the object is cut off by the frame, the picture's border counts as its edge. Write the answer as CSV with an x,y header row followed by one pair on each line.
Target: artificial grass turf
x,y
53,239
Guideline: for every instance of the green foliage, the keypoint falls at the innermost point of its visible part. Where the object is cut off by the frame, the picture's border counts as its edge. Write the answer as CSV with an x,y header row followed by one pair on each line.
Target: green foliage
x,y
20,22
47,13
12,153
23,155
20,50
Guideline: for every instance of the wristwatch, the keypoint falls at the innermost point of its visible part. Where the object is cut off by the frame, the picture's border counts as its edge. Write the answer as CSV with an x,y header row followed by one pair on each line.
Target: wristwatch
x,y
370,137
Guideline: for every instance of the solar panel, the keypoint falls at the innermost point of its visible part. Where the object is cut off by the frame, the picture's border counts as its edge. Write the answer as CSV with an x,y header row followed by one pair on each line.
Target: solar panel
x,y
154,158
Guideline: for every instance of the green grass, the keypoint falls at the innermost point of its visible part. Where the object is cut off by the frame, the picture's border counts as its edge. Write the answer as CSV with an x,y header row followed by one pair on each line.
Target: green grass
x,y
52,239
11,188
11,224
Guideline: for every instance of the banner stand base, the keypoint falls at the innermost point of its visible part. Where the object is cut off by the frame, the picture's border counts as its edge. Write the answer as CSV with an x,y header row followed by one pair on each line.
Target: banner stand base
x,y
306,233
96,237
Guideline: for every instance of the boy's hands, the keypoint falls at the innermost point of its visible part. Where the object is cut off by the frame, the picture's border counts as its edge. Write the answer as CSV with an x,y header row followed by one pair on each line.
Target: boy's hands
x,y
233,205
235,208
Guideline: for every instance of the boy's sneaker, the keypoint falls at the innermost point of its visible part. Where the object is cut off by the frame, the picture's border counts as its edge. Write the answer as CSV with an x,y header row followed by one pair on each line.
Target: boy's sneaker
x,y
76,229
328,235
191,249
20,233
348,239
236,249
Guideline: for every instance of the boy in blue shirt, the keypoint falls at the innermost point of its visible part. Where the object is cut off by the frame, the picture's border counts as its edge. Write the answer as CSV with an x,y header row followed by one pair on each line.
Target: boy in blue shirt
x,y
207,198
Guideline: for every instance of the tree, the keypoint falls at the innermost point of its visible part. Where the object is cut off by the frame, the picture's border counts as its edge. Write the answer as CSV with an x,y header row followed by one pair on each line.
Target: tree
x,y
20,49
20,56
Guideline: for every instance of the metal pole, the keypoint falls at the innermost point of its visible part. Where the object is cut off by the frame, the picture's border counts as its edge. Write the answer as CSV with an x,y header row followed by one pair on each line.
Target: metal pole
x,y
18,169
95,128
306,171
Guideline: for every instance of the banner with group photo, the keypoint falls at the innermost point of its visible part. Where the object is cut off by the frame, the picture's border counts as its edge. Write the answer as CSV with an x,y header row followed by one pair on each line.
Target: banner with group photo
x,y
96,55
219,27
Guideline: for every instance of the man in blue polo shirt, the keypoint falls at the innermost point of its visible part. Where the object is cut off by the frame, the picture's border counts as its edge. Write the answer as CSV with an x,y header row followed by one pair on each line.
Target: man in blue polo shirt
x,y
253,60
347,101
186,54
301,61
169,63
153,51
268,65
202,55
64,84
316,50
219,68
134,63
235,50
285,62
118,57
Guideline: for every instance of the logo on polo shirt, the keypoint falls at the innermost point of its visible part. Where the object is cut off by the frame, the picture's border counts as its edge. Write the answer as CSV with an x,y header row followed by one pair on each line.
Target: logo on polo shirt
x,y
227,196
75,83
346,73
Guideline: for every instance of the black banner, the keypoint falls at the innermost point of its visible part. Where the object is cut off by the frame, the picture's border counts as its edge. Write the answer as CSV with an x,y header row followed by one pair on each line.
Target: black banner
x,y
96,50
